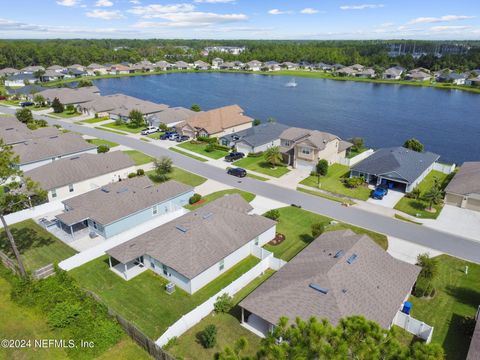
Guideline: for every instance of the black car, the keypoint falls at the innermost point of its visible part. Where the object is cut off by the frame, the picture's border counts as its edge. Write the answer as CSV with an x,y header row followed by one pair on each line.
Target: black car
x,y
26,103
182,138
238,172
233,156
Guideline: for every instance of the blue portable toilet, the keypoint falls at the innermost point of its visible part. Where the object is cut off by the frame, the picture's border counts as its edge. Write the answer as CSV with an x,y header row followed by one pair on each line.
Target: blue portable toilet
x,y
407,307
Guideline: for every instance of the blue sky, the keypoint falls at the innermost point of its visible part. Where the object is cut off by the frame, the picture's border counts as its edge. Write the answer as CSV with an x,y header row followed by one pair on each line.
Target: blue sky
x,y
241,19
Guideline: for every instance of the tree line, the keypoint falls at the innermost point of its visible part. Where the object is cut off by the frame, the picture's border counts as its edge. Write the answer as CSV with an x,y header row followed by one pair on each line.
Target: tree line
x,y
21,53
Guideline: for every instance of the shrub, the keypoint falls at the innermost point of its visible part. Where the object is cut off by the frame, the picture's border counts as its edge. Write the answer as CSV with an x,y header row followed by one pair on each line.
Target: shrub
x,y
132,175
140,172
70,108
322,167
257,122
194,199
414,144
102,148
41,123
255,155
429,266
24,115
163,127
210,148
318,229
57,106
223,304
63,314
273,214
424,288
354,182
210,140
118,122
208,337
172,342
32,125
220,147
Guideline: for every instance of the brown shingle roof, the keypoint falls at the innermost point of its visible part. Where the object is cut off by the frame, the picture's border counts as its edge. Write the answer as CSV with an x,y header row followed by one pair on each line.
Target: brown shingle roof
x,y
217,120
198,240
78,168
374,284
117,200
467,180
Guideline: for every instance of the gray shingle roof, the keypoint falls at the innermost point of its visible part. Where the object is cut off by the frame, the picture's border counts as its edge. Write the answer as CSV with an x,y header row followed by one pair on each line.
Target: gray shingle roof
x,y
171,115
71,96
212,233
397,161
79,168
467,180
51,146
121,104
258,135
13,131
474,351
374,284
117,200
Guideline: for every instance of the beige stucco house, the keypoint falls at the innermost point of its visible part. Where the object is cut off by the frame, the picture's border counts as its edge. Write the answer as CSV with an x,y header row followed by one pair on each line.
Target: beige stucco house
x,y
464,189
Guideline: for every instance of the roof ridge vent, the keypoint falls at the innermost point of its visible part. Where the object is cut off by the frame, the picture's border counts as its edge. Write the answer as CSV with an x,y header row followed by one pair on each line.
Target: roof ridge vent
x,y
207,215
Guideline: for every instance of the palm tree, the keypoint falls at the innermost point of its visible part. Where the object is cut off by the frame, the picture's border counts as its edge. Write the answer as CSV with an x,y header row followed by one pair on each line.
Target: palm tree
x,y
273,155
433,196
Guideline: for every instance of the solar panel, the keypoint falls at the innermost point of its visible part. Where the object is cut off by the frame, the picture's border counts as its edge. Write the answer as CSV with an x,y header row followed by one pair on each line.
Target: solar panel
x,y
352,258
318,288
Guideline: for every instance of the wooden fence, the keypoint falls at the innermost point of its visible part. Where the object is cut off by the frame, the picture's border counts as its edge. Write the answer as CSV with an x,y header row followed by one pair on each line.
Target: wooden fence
x,y
135,334
44,272
8,263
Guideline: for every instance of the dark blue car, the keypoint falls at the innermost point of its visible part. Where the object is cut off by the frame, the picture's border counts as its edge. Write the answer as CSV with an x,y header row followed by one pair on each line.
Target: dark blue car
x,y
379,192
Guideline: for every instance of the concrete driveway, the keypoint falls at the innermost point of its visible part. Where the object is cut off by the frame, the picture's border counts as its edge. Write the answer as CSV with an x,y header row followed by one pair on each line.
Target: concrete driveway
x,y
462,222
389,201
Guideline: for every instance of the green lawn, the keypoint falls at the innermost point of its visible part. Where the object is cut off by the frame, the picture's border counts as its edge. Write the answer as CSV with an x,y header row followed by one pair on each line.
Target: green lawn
x,y
139,157
200,149
95,120
258,164
333,183
182,176
99,142
326,196
354,152
143,300
457,296
124,127
156,136
228,329
36,245
65,114
187,154
296,224
110,130
419,207
256,177
216,195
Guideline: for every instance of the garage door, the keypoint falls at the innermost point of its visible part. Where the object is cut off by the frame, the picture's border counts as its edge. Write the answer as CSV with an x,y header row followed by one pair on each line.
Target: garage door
x,y
304,165
473,204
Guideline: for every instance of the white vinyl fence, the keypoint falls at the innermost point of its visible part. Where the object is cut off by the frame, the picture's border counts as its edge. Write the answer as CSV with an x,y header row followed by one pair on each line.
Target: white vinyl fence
x,y
196,315
444,168
33,212
414,326
356,159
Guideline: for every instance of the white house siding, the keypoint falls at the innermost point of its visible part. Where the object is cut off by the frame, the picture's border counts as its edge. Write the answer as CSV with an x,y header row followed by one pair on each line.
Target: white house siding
x,y
245,148
172,275
454,199
413,185
14,83
33,165
82,187
233,129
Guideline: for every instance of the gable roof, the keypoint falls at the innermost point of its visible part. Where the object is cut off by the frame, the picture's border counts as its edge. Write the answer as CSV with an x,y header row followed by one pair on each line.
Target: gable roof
x,y
467,180
404,163
47,147
257,135
13,131
199,239
360,278
172,115
315,138
74,169
217,120
8,71
71,96
117,200
121,104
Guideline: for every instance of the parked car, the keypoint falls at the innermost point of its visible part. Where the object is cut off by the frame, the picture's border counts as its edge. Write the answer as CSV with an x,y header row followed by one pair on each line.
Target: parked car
x,y
150,130
182,138
26,103
164,136
173,136
238,172
233,156
379,192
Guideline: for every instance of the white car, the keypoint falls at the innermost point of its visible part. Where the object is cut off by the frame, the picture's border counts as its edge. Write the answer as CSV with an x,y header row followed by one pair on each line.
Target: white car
x,y
150,130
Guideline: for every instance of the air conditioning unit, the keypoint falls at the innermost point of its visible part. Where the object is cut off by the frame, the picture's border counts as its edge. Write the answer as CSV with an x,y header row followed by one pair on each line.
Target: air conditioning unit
x,y
170,288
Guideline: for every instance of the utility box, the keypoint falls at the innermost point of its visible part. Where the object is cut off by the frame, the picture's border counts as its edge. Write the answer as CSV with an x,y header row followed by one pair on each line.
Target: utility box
x,y
407,307
170,288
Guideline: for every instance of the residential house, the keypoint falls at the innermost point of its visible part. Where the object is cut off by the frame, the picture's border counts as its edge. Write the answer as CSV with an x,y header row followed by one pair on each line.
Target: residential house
x,y
8,72
56,68
216,63
393,73
253,65
366,73
453,78
339,274
464,189
119,106
201,65
227,66
116,207
96,69
303,148
289,65
51,75
238,65
144,66
323,67
474,349
32,69
76,175
272,66
40,151
14,132
215,123
120,69
399,168
76,67
74,73
346,71
20,79
196,248
358,67
163,65
171,116
419,74
71,96
181,65
255,139
473,81
25,92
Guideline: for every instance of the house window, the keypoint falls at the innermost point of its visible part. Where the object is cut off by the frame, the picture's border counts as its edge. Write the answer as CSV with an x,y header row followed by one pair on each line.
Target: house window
x,y
221,265
164,269
70,188
94,224
54,193
256,241
286,142
155,210
306,151
152,264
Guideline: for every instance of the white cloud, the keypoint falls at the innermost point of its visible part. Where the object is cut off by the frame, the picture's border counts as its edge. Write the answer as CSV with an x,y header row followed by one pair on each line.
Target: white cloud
x,y
105,14
448,28
104,3
361,6
214,1
446,18
309,11
68,2
135,2
158,10
191,19
279,12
